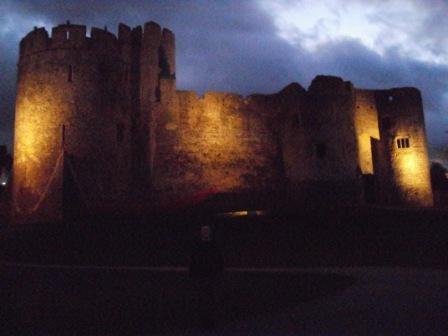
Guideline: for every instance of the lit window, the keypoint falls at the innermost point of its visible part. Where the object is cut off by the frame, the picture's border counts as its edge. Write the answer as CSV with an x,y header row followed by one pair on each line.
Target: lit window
x,y
403,142
67,35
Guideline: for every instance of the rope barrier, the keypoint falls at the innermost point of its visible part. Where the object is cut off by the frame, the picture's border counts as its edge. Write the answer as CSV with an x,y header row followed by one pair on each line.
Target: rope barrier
x,y
44,194
83,195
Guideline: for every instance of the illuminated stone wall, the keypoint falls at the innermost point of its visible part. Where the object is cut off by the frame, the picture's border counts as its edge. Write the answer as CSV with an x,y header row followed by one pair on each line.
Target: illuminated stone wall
x,y
330,123
327,170
226,143
99,121
404,171
72,101
295,142
366,125
220,142
84,118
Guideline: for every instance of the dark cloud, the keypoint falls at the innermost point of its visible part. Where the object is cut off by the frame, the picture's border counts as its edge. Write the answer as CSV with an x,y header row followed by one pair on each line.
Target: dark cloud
x,y
367,69
234,46
221,45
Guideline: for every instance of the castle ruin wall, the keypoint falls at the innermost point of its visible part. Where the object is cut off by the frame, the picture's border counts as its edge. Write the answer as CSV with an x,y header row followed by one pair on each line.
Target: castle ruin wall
x,y
366,125
221,142
71,104
99,120
404,146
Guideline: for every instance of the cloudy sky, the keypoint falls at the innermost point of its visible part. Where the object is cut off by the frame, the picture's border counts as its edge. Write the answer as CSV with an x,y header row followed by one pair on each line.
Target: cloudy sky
x,y
248,46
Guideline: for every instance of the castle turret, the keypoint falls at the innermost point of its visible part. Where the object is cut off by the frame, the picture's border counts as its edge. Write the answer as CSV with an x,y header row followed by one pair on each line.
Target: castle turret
x,y
71,147
330,122
401,156
330,162
157,87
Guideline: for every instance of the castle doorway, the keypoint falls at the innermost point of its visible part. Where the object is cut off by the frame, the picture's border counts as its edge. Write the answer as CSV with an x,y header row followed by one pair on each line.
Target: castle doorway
x,y
369,188
72,204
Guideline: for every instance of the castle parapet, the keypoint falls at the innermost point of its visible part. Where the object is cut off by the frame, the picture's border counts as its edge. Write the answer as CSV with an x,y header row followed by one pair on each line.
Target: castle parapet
x,y
125,41
72,36
35,41
400,101
103,40
168,51
330,85
124,33
68,36
152,35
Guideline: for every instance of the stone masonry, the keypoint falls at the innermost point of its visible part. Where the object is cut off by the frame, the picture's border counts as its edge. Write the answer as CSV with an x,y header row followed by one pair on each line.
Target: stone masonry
x,y
100,124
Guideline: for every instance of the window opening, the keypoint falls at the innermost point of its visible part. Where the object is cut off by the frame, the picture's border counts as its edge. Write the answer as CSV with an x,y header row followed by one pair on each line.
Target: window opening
x,y
67,35
403,143
70,73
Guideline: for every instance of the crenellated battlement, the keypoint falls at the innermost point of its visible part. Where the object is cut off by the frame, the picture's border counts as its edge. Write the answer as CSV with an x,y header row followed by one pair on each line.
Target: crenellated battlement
x,y
35,41
402,97
68,36
124,34
73,36
330,85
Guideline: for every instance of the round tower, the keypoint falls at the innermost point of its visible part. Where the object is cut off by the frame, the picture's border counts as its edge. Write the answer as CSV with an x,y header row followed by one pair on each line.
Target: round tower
x,y
72,122
406,175
331,155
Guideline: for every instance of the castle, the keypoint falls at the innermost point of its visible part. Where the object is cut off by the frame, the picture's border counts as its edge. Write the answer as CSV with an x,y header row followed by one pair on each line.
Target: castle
x,y
99,123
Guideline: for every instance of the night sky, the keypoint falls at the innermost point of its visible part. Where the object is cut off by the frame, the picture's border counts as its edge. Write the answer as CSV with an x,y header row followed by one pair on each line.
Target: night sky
x,y
263,45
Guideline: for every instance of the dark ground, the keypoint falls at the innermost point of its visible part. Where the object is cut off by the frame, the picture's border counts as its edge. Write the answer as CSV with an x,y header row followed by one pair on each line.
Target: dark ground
x,y
331,237
126,302
38,300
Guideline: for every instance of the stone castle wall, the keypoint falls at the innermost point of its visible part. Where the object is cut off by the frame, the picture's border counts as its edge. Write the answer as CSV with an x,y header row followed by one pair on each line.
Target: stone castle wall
x,y
330,124
84,117
72,119
366,125
404,148
219,142
99,121
226,143
320,147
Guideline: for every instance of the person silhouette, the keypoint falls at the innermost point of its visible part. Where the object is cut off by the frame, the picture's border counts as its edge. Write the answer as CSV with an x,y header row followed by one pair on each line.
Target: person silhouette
x,y
206,267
